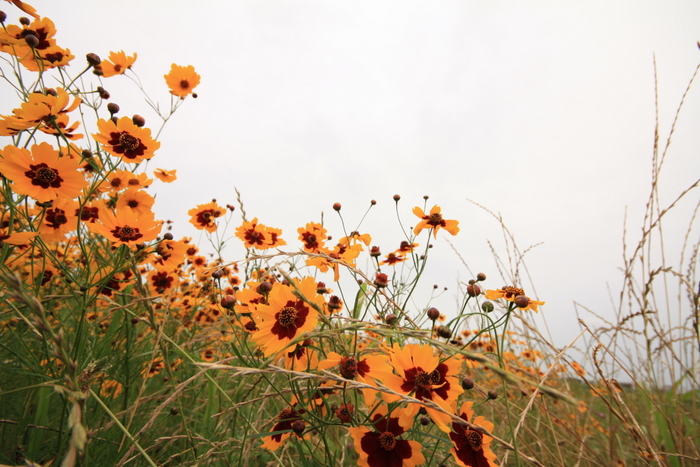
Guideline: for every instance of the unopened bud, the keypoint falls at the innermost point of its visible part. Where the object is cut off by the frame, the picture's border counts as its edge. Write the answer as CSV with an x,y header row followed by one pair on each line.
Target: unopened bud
x,y
487,307
24,21
433,313
492,394
3,16
218,274
113,108
467,383
473,290
336,206
521,301
168,236
397,198
102,93
264,287
391,319
228,301
93,59
481,277
444,332
138,120
298,426
31,40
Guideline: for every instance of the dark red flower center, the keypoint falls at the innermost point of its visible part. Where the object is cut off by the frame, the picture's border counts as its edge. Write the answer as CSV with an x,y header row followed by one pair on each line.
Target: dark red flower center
x,y
254,237
435,219
512,292
387,441
128,142
56,218
44,176
474,439
424,380
127,233
287,316
184,84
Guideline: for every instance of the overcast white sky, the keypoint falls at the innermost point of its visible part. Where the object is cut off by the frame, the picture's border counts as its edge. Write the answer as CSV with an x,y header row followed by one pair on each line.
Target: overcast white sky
x,y
543,111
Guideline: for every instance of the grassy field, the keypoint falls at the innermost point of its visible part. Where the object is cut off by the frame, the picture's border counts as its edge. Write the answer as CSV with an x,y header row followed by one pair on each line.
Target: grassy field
x,y
122,345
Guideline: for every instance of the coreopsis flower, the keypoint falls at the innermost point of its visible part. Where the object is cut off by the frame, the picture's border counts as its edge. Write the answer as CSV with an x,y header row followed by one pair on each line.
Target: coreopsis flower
x,y
162,281
170,254
41,174
126,140
285,420
181,80
381,446
393,258
46,111
126,227
28,9
365,370
515,295
422,375
16,238
137,200
166,176
342,253
259,236
313,235
471,448
287,316
406,247
40,54
434,221
116,64
58,220
204,215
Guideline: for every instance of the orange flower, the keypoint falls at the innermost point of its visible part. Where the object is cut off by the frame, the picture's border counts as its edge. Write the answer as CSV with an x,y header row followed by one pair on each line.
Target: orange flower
x,y
41,173
126,227
166,176
382,447
28,9
472,448
393,258
58,220
117,64
285,419
181,80
286,317
434,221
47,111
126,140
259,236
313,235
137,200
515,295
16,238
203,216
45,53
365,370
422,374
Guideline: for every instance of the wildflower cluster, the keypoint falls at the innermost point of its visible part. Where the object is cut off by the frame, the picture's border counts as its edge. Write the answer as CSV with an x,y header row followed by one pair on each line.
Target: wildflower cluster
x,y
120,314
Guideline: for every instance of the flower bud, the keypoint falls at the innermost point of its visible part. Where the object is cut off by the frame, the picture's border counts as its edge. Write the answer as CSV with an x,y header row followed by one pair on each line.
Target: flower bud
x,y
24,21
298,426
31,40
492,394
138,120
102,93
264,287
218,274
3,16
467,383
321,288
487,307
521,301
228,301
93,59
113,108
397,198
375,251
444,332
373,202
433,313
336,206
134,320
481,277
391,319
168,236
425,421
473,290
